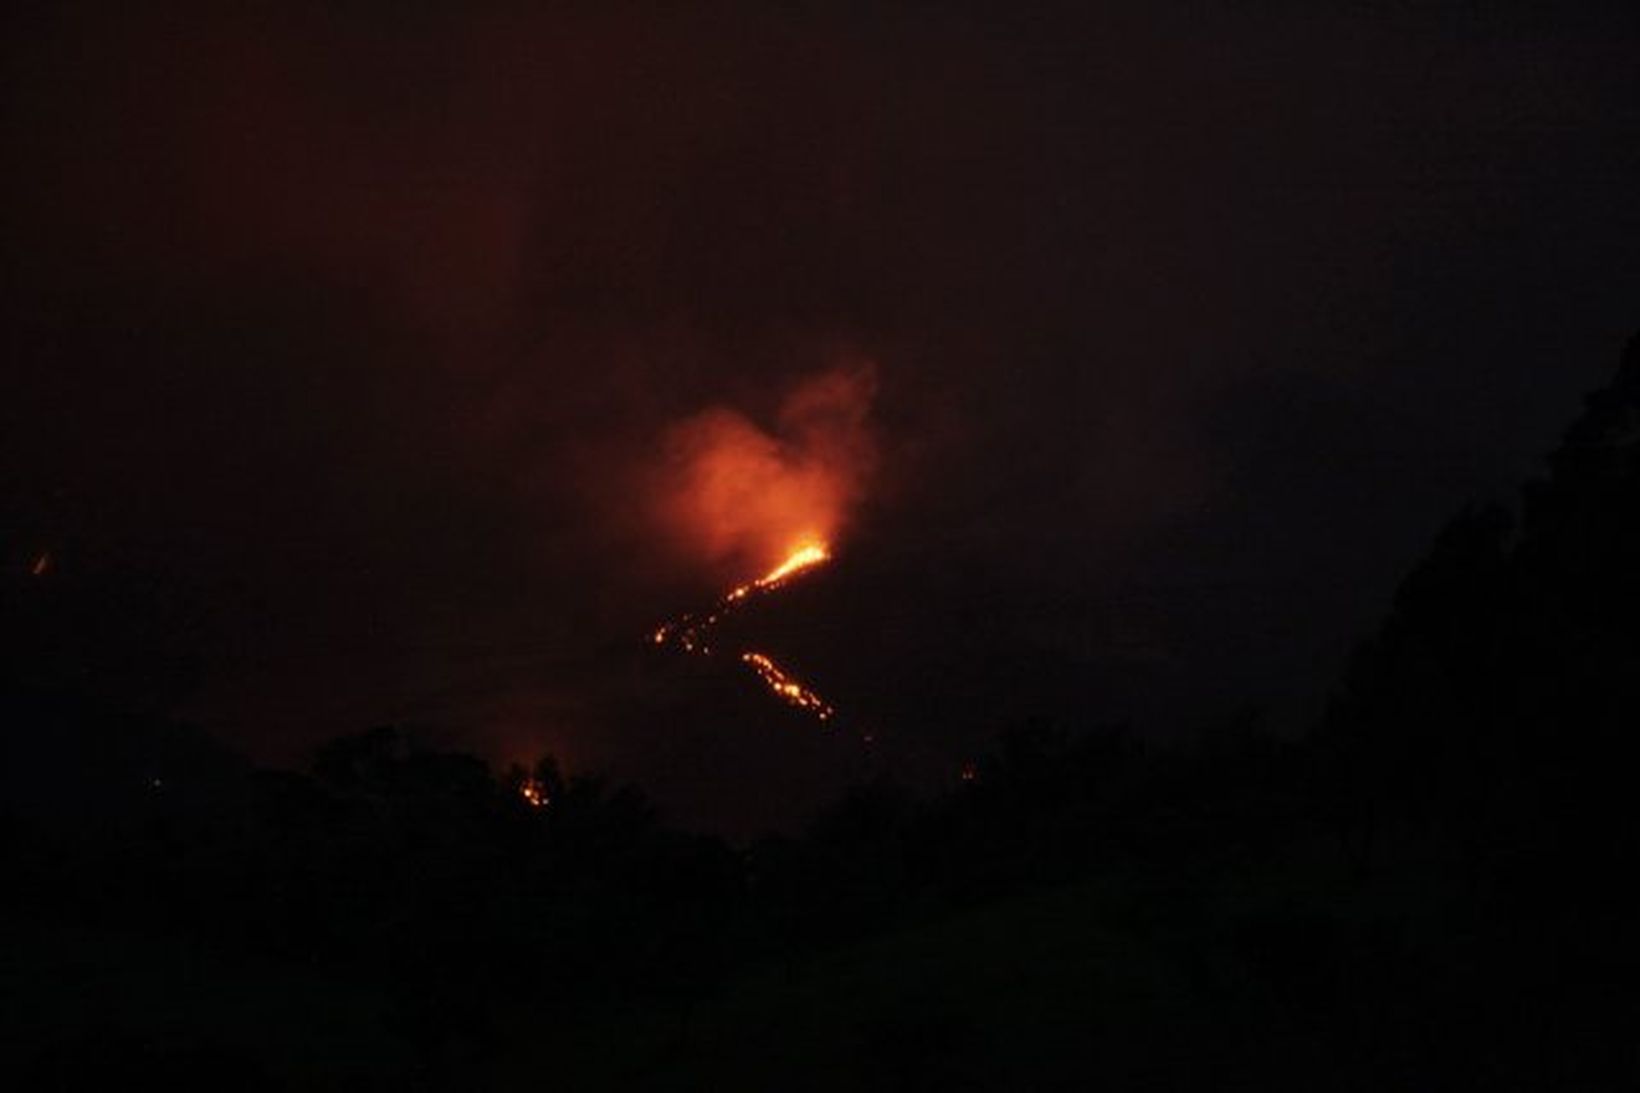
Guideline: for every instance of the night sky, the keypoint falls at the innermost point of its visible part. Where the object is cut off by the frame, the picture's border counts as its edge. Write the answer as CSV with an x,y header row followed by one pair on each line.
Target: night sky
x,y
1128,356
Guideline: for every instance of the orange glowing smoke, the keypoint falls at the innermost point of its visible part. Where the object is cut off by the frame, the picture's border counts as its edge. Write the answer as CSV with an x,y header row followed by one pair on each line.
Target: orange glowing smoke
x,y
735,493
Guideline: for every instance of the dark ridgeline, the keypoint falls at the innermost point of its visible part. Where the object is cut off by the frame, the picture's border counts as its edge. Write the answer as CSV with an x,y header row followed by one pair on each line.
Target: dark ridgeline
x,y
1430,890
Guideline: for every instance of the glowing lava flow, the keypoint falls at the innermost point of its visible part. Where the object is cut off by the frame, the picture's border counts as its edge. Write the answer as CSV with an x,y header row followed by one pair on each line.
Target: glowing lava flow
x,y
787,688
690,632
809,554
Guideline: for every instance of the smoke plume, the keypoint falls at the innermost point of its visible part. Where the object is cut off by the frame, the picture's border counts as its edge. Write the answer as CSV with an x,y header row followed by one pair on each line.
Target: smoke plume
x,y
734,493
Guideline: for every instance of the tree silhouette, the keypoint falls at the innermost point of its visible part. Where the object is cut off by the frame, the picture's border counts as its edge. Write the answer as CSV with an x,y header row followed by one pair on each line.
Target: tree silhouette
x,y
1494,703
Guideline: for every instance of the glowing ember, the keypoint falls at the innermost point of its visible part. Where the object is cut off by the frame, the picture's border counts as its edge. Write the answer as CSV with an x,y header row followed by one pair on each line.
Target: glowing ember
x,y
690,631
534,792
42,565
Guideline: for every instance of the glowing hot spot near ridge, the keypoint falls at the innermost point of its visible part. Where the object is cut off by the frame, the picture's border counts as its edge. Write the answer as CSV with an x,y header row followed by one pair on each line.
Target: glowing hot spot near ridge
x,y
809,554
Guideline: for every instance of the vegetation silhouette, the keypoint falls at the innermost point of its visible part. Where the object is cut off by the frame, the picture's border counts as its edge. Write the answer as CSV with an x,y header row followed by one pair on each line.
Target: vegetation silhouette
x,y
1429,889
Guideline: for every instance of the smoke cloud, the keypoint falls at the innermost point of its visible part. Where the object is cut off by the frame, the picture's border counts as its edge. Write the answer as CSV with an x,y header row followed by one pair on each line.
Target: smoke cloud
x,y
734,493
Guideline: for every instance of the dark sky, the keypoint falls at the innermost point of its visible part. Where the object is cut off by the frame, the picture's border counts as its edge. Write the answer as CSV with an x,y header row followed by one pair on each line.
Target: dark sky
x,y
373,331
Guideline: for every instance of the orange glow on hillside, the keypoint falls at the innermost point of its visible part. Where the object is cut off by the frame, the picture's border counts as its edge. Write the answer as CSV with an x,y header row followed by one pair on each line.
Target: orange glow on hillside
x,y
690,632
